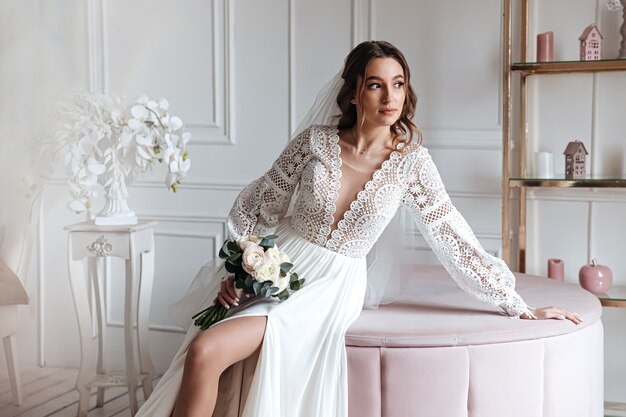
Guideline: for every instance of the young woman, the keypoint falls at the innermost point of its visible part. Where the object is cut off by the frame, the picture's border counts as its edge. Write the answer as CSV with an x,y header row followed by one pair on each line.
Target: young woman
x,y
351,179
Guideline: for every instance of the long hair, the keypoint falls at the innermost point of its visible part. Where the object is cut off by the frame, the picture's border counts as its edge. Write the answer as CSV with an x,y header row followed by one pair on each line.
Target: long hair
x,y
354,67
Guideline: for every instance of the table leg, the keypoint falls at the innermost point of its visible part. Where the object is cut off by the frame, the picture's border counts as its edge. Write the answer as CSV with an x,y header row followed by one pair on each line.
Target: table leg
x,y
95,265
129,314
81,303
143,313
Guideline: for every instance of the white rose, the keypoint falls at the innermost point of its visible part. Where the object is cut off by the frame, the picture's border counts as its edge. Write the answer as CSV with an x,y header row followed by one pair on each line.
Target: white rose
x,y
252,255
246,240
268,270
282,283
274,254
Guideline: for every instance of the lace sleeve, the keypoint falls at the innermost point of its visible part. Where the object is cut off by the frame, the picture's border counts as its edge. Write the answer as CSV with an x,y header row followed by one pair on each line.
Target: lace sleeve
x,y
478,273
262,203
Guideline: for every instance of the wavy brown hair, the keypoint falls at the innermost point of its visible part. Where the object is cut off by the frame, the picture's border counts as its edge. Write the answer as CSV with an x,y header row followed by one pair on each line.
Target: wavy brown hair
x,y
354,67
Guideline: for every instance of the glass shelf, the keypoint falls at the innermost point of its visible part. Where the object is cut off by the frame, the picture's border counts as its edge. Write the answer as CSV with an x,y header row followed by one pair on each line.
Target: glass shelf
x,y
615,297
560,67
560,182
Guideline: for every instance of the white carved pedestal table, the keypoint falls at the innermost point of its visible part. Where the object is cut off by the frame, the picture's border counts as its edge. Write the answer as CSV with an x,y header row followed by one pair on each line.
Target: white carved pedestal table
x,y
134,244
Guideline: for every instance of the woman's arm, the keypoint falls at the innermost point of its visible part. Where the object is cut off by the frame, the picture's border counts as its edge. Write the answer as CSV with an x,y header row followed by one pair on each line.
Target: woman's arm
x,y
480,274
261,204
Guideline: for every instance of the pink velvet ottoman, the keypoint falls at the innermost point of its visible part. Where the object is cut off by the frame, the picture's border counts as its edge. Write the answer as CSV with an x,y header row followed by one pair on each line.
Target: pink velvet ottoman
x,y
439,352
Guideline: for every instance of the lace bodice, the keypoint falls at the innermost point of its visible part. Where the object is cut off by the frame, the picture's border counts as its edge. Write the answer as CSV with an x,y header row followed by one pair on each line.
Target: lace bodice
x,y
408,177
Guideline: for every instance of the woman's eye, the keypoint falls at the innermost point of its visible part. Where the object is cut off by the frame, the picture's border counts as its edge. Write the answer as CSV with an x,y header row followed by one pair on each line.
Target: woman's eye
x,y
373,86
399,84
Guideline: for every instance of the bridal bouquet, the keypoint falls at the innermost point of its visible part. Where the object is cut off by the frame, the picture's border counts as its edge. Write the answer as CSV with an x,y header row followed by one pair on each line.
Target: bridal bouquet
x,y
259,268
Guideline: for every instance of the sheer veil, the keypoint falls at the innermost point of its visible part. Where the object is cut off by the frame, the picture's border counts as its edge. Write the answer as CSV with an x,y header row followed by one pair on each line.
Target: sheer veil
x,y
384,275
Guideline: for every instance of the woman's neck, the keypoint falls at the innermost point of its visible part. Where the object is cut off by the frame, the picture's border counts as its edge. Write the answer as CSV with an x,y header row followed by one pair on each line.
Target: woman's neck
x,y
371,138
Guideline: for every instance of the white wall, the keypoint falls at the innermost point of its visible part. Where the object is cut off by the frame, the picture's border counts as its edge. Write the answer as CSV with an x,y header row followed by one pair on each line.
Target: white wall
x,y
241,74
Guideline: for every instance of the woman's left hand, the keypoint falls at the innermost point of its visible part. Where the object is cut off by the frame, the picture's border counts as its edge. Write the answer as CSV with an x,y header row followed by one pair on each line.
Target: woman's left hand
x,y
544,313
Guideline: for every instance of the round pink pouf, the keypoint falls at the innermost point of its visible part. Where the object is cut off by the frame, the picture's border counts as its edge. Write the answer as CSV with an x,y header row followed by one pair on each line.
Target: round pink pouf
x,y
440,352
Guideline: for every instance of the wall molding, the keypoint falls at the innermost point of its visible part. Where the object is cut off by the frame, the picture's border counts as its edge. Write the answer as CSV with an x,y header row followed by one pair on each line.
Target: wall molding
x,y
187,185
579,196
218,131
357,22
467,138
216,238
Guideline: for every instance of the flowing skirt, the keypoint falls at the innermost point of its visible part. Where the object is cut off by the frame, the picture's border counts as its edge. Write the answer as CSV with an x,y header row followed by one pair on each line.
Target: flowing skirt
x,y
301,370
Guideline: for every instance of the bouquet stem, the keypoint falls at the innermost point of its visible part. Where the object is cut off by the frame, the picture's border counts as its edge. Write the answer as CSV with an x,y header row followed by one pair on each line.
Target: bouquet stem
x,y
209,316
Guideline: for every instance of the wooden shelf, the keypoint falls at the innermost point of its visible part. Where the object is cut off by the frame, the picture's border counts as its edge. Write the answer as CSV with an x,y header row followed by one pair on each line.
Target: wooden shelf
x,y
615,297
562,67
568,183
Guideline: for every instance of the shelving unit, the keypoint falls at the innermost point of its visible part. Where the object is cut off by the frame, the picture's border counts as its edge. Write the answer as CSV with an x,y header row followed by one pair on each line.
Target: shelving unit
x,y
521,180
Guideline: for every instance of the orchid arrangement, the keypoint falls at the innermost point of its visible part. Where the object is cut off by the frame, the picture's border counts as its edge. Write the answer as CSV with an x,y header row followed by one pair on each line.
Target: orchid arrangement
x,y
109,142
259,268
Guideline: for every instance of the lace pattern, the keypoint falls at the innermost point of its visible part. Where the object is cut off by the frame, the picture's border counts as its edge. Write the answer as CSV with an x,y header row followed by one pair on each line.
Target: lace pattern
x,y
478,273
408,177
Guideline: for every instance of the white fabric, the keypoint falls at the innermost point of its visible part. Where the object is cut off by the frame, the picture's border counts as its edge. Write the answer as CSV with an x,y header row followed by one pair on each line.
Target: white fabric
x,y
301,371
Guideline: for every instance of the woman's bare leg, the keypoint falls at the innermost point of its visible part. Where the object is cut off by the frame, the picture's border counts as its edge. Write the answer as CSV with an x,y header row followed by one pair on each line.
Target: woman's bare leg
x,y
209,354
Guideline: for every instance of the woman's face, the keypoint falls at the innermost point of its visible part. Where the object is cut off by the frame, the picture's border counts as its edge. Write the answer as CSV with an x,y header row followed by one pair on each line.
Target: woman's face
x,y
380,96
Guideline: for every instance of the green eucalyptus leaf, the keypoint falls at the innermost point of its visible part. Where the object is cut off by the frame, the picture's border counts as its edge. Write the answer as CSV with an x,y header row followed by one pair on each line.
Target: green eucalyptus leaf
x,y
249,280
233,246
286,267
235,258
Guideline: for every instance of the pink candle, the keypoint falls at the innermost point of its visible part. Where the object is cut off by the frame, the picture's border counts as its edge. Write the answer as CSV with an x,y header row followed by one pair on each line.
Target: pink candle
x,y
556,269
545,46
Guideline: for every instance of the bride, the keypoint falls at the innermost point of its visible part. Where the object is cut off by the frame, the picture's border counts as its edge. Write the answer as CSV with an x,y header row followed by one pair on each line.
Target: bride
x,y
351,177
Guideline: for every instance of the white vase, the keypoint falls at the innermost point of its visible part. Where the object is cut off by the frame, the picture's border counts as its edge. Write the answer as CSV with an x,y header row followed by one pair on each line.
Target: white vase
x,y
116,211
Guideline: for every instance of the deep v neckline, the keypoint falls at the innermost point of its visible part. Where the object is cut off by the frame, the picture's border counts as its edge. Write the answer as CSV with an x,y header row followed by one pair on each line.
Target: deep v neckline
x,y
337,174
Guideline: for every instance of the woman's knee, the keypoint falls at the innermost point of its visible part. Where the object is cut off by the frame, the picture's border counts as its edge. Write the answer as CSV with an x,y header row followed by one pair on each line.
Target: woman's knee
x,y
206,353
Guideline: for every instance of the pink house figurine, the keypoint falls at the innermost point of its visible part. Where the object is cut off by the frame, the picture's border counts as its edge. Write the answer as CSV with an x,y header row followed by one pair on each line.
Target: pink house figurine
x,y
590,43
575,157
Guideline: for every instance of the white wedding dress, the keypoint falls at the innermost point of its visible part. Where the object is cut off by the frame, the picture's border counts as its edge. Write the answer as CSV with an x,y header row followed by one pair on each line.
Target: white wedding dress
x,y
301,370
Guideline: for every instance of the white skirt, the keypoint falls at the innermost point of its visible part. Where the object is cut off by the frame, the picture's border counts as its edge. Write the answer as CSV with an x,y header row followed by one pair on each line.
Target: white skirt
x,y
301,370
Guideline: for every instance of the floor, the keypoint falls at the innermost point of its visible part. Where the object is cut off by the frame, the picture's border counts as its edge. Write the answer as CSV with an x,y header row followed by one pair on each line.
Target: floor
x,y
50,392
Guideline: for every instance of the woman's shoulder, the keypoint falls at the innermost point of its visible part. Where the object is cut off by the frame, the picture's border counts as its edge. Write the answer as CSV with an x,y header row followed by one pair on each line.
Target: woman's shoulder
x,y
322,130
414,148
319,135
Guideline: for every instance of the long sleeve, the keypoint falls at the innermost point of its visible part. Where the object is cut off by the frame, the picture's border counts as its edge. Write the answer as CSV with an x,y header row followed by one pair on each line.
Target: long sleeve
x,y
261,204
478,273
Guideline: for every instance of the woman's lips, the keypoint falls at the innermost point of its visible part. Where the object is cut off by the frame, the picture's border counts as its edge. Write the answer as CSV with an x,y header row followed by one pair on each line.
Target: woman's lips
x,y
387,111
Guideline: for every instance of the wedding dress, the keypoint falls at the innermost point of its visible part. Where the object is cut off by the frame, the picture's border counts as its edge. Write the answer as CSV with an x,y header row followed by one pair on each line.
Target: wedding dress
x,y
301,370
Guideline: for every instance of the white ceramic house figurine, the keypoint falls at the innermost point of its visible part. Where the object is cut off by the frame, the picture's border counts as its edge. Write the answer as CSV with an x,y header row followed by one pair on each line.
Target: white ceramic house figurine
x,y
575,158
590,43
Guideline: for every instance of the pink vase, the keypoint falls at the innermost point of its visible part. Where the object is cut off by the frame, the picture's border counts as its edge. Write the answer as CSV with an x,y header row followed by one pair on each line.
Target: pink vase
x,y
556,269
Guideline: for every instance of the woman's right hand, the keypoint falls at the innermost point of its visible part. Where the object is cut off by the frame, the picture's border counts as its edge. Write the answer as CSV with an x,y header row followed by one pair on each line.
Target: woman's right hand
x,y
227,295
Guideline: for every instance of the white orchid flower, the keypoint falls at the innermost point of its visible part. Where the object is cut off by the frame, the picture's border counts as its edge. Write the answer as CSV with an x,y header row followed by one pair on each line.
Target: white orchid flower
x,y
175,123
164,104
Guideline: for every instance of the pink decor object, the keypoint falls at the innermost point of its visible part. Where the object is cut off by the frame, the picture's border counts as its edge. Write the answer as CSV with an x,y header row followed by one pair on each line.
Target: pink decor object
x,y
556,269
545,47
595,278
590,44
575,160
